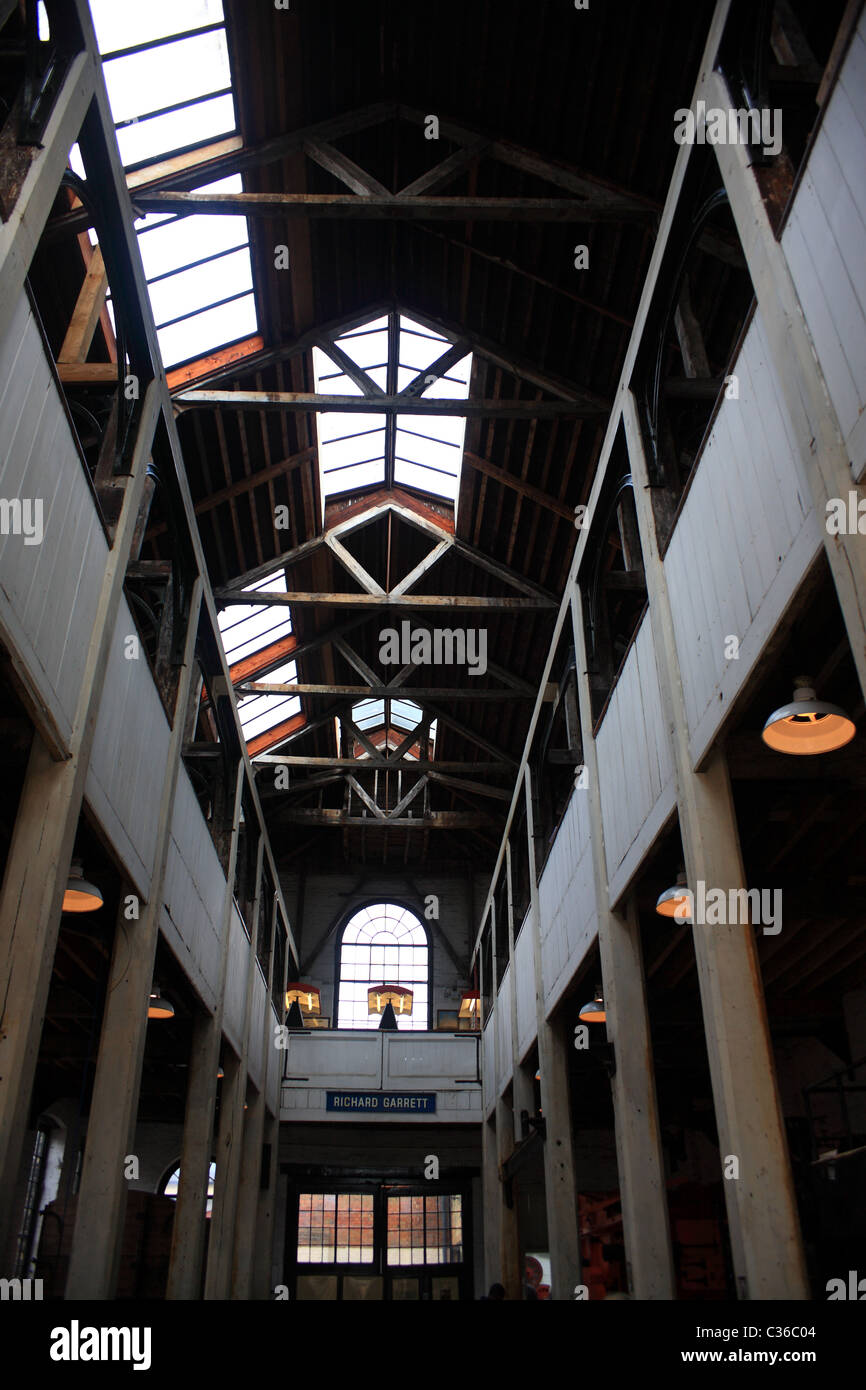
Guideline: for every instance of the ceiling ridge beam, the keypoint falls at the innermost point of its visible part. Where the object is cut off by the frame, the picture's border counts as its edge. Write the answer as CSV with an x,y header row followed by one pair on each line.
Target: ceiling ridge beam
x,y
351,206
307,599
504,408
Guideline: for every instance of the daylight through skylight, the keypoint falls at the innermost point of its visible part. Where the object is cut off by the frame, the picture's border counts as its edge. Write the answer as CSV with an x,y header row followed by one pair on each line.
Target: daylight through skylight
x,y
423,451
247,629
166,68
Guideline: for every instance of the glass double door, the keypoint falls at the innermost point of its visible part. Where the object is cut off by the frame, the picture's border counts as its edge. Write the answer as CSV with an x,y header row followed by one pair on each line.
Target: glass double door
x,y
371,1240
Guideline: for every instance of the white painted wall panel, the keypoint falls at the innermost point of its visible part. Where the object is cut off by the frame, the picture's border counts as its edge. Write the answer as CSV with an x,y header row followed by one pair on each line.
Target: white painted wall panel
x,y
635,765
130,752
345,1059
317,1062
744,539
504,1059
194,894
524,977
276,1057
48,592
236,981
412,1060
566,901
257,1017
488,1062
824,242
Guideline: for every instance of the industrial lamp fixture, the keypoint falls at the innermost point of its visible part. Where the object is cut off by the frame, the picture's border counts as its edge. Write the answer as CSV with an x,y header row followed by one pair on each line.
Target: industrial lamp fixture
x,y
470,1005
380,996
594,1011
80,896
308,998
807,725
676,901
158,1007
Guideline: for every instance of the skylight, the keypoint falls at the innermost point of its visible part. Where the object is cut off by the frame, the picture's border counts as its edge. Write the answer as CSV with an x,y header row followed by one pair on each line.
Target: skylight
x,y
166,68
247,629
355,450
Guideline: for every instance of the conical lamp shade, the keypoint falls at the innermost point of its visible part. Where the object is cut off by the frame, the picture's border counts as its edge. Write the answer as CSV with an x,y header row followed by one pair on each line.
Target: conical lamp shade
x,y
295,1019
389,1019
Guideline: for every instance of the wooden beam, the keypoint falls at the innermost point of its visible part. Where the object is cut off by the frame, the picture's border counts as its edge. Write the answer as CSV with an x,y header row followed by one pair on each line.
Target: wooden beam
x,y
349,368
446,170
524,367
248,484
382,692
88,373
509,409
208,169
353,566
408,798
433,820
567,177
359,765
215,363
336,600
346,205
454,354
478,788
534,494
271,737
365,797
85,316
430,559
345,169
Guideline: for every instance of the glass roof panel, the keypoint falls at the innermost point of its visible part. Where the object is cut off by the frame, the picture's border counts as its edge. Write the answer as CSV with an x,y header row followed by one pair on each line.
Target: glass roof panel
x,y
186,76
186,68
428,450
123,25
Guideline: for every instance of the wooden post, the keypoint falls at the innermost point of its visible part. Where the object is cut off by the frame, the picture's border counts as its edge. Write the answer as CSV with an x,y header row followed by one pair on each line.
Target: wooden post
x,y
228,1164
38,862
560,1184
248,1195
492,1202
254,1117
762,1212
230,1145
522,1090
187,1237
640,1162
509,1235
265,1214
98,1233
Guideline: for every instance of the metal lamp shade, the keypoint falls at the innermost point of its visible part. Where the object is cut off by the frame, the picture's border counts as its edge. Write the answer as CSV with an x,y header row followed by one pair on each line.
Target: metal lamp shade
x,y
807,726
80,896
593,1012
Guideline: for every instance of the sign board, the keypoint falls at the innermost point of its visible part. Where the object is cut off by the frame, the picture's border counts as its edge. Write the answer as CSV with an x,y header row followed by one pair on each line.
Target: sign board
x,y
382,1102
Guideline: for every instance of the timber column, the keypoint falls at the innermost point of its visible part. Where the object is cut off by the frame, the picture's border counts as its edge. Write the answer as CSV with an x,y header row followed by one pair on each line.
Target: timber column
x,y
762,1213
560,1185
639,1157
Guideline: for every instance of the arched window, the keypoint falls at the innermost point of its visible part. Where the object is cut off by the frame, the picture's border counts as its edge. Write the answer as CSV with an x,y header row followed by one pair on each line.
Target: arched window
x,y
169,1188
383,944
